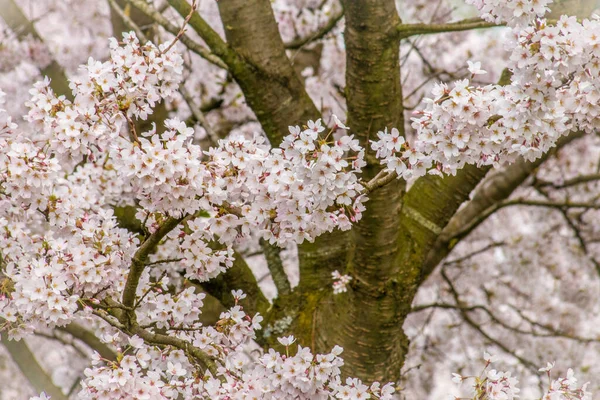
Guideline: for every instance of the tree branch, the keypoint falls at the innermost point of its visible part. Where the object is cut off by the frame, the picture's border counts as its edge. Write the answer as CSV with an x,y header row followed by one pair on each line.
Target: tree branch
x,y
408,30
578,180
141,255
272,255
160,339
491,191
79,332
478,328
256,57
381,179
31,369
208,34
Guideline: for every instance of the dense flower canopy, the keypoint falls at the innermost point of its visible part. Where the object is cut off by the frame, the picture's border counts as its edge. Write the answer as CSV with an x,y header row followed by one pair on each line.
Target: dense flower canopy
x,y
80,158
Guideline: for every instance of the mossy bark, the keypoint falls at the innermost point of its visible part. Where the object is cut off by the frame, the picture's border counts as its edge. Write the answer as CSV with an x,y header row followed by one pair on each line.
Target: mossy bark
x,y
368,323
580,8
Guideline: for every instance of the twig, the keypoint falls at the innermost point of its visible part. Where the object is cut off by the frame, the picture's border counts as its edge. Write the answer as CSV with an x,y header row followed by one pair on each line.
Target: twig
x,y
381,179
479,329
199,115
569,182
182,29
474,253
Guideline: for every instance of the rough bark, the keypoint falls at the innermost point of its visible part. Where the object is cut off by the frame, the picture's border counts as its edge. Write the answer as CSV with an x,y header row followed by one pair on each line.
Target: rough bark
x,y
580,8
367,319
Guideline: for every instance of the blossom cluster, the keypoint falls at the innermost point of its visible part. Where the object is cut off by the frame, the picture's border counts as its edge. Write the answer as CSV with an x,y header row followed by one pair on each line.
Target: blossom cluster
x,y
52,277
499,385
63,246
307,186
164,171
340,282
553,90
107,97
398,156
146,372
515,13
87,156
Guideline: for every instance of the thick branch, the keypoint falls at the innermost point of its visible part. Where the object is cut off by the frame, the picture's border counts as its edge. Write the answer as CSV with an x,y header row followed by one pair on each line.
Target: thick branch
x,y
256,57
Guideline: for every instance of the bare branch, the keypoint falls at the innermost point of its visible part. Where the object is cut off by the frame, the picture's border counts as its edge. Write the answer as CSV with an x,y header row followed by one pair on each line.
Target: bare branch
x,y
139,259
408,30
186,20
318,34
465,316
578,180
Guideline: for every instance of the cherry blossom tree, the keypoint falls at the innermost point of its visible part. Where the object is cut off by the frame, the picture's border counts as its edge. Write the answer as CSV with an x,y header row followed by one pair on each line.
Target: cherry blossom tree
x,y
299,199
